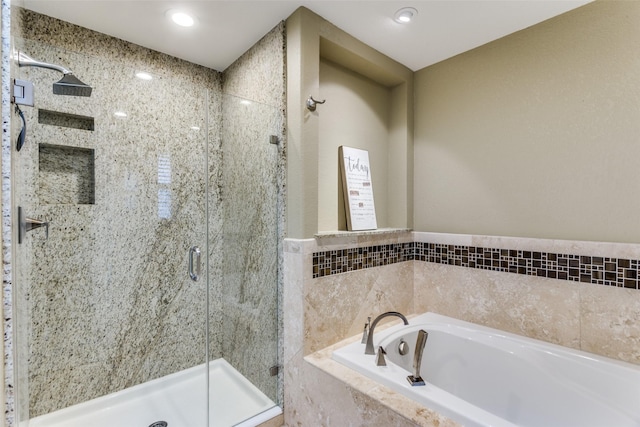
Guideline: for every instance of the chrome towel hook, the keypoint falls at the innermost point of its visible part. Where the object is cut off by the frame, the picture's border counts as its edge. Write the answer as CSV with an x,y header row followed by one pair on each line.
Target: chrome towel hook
x,y
311,103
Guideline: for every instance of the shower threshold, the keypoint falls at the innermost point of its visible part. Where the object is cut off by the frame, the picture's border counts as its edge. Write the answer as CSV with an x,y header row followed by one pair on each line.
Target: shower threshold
x,y
179,400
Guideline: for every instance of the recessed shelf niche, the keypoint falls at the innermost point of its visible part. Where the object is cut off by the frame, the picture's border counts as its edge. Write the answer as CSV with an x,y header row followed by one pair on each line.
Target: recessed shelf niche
x,y
73,121
66,175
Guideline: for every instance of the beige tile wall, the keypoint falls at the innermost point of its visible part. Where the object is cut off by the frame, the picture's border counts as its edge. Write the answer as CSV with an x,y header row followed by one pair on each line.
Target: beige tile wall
x,y
594,318
320,312
545,309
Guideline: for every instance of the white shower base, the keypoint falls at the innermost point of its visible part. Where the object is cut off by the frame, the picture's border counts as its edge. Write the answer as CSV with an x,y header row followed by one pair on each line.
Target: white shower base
x,y
178,399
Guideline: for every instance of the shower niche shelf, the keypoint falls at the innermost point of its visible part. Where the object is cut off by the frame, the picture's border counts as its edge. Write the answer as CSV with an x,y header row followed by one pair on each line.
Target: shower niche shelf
x,y
73,121
66,175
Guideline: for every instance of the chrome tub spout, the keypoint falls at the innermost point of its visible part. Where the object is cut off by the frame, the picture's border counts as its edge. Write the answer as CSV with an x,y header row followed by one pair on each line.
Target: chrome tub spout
x,y
369,349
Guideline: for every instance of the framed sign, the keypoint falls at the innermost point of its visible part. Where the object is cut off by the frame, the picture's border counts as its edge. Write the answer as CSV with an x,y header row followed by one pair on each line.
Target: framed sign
x,y
358,189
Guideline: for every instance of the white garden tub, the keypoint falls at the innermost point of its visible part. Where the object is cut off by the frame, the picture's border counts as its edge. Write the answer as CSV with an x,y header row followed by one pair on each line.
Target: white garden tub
x,y
178,399
480,376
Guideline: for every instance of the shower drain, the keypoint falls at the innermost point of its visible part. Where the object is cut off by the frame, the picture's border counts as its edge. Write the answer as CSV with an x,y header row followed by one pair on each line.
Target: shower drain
x,y
159,424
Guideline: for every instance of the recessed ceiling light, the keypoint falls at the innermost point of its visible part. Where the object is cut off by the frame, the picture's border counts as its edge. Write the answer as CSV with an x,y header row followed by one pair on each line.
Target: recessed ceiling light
x,y
181,18
143,75
405,15
120,114
195,128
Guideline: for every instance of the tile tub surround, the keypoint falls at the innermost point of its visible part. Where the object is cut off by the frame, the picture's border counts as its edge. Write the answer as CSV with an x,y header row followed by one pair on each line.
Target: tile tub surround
x,y
596,269
320,312
574,293
598,318
592,303
335,306
588,316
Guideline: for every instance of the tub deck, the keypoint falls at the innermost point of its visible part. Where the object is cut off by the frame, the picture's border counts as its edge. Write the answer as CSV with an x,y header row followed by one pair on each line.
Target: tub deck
x,y
480,376
375,392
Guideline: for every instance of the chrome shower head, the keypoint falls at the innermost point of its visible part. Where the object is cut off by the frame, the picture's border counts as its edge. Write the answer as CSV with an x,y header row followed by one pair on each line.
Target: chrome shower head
x,y
70,85
67,85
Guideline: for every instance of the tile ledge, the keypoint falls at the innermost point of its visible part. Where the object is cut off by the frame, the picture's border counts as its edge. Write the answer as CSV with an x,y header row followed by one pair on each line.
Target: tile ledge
x,y
378,231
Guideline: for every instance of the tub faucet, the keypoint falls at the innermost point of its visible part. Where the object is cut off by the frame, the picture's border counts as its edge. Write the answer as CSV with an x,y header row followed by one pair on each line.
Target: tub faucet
x,y
416,379
369,349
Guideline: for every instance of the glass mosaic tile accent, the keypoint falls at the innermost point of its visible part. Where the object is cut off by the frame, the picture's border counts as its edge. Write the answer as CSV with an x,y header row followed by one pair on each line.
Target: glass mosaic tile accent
x,y
617,272
352,259
578,268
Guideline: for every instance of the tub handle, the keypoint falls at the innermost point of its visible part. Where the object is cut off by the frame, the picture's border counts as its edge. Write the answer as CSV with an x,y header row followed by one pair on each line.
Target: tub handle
x,y
365,332
403,347
416,379
380,360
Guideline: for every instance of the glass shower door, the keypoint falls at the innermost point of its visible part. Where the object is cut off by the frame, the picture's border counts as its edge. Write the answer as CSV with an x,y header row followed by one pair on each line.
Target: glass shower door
x,y
244,295
104,302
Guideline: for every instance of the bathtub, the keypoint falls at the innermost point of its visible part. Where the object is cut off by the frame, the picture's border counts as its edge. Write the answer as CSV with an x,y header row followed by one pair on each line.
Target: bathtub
x,y
480,376
178,399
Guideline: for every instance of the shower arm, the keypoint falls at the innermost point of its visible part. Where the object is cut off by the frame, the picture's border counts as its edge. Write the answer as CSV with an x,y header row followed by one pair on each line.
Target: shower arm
x,y
25,60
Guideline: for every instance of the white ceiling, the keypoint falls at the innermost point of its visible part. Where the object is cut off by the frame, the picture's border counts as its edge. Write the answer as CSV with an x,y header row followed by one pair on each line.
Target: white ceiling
x,y
225,29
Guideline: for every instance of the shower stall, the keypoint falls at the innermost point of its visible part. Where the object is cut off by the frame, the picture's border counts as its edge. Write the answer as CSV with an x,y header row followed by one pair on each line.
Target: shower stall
x,y
153,274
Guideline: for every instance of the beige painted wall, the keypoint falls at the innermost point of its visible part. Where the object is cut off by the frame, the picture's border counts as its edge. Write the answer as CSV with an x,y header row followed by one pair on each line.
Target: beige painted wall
x,y
356,115
536,134
309,38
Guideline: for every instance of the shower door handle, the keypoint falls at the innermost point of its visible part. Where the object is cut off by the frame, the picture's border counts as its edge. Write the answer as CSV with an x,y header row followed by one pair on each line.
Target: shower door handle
x,y
194,272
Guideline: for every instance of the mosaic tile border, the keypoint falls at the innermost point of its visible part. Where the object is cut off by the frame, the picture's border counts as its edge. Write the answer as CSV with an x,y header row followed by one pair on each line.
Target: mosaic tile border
x,y
617,272
343,260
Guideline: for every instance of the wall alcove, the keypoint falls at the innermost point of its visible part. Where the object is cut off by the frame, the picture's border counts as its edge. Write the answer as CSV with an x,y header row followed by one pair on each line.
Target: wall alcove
x,y
369,106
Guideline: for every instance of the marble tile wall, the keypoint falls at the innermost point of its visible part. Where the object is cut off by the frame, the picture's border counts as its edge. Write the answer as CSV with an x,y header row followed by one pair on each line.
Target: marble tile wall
x,y
109,304
259,74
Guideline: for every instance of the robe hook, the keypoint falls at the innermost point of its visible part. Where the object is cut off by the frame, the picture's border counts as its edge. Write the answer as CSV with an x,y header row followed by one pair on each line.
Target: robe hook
x,y
311,103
